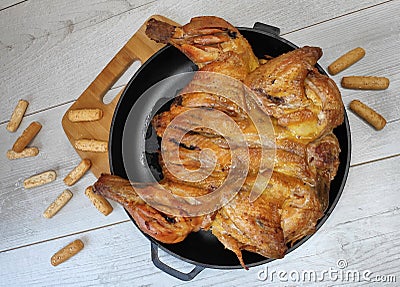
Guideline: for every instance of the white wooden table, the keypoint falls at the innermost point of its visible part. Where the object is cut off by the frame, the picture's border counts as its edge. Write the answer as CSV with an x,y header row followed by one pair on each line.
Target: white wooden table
x,y
51,50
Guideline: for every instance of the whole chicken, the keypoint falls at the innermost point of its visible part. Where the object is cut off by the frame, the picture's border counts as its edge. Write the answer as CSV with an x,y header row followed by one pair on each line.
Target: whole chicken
x,y
303,107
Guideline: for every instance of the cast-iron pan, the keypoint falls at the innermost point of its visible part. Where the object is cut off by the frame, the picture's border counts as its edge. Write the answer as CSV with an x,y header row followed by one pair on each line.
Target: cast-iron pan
x,y
201,248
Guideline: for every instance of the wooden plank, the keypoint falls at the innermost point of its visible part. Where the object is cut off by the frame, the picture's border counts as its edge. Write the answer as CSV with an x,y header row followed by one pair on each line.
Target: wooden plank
x,y
363,229
21,210
42,35
367,145
76,40
366,240
7,4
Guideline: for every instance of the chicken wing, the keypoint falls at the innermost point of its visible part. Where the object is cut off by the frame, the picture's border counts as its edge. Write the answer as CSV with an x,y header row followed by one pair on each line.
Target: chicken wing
x,y
206,40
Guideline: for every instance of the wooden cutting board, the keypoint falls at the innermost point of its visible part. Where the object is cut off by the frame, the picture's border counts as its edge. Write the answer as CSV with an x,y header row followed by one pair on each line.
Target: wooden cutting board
x,y
138,48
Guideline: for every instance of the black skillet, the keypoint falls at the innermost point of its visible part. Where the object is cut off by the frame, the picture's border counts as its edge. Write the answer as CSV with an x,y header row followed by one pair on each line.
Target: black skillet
x,y
202,249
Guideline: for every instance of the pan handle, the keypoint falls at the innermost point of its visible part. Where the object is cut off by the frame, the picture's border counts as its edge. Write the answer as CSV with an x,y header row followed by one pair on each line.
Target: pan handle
x,y
267,28
171,271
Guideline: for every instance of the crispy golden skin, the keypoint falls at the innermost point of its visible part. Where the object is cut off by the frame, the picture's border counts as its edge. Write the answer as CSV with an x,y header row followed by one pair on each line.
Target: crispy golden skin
x,y
165,228
304,107
205,40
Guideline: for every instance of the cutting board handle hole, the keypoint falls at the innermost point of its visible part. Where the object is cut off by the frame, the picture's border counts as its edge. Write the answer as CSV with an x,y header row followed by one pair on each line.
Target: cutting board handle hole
x,y
110,95
122,81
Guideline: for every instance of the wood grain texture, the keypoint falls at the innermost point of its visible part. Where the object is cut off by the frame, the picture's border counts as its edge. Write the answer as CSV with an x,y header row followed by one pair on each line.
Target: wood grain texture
x,y
138,48
50,51
76,40
21,210
352,233
7,4
368,145
18,205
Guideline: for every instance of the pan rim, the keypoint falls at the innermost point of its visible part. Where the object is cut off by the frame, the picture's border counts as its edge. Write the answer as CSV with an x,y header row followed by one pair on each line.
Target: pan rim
x,y
346,165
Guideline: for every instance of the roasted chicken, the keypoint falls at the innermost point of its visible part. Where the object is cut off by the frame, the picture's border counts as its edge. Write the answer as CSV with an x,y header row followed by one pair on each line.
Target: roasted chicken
x,y
303,107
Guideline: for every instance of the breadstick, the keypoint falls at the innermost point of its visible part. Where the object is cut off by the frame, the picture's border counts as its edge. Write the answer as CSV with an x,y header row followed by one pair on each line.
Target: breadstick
x,y
91,145
40,179
365,83
27,135
98,201
17,115
26,152
368,114
85,115
57,204
67,252
77,172
346,60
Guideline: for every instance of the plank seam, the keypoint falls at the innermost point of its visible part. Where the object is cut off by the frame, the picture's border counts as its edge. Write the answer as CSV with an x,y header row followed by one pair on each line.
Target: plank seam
x,y
375,160
64,236
58,105
337,17
2,9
